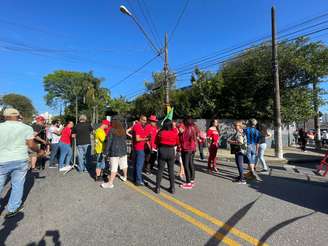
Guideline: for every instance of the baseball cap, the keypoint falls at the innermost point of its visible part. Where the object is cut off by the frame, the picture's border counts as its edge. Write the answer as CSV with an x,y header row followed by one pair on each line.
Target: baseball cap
x,y
11,112
105,122
40,118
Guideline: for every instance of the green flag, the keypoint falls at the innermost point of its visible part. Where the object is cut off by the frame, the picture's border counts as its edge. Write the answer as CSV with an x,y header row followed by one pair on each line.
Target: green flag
x,y
169,115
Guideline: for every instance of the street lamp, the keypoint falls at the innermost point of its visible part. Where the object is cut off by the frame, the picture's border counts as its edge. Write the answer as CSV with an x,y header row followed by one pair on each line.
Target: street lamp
x,y
158,52
125,11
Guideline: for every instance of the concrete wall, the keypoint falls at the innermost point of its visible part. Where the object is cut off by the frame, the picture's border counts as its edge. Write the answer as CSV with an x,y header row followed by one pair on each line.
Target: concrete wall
x,y
226,129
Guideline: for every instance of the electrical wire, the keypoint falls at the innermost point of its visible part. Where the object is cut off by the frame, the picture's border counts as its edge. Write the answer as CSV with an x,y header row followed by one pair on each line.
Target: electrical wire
x,y
178,20
149,22
134,72
244,45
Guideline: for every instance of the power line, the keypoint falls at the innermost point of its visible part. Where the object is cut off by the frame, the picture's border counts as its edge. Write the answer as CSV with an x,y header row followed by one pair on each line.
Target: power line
x,y
149,21
208,61
262,39
134,72
217,62
179,20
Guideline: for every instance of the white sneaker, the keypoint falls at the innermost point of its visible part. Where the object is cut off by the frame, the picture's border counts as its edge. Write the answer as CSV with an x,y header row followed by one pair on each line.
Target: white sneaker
x,y
65,168
124,179
107,185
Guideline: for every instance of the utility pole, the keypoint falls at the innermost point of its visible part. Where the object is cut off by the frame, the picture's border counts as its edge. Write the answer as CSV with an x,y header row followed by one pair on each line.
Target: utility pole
x,y
275,73
76,109
316,116
166,75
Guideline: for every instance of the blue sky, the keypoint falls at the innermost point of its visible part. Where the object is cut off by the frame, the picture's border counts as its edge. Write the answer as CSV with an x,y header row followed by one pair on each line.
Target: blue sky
x,y
84,35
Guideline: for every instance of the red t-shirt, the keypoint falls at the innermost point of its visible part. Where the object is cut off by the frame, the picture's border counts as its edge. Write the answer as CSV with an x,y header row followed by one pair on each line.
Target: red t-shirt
x,y
107,130
152,130
213,135
188,139
142,132
167,138
66,135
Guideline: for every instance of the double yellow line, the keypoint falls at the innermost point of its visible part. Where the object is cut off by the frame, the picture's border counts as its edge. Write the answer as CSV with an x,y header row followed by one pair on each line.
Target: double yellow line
x,y
203,227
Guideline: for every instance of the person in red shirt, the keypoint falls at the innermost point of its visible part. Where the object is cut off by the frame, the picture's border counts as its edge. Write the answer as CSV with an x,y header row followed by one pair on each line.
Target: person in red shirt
x,y
179,128
213,136
188,142
140,138
65,147
151,147
167,139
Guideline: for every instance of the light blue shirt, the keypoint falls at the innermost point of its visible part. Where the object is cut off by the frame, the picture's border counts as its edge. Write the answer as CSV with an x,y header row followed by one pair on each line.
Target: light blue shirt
x,y
13,136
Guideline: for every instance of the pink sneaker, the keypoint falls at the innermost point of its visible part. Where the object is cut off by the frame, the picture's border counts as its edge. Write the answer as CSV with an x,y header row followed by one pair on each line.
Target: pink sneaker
x,y
186,186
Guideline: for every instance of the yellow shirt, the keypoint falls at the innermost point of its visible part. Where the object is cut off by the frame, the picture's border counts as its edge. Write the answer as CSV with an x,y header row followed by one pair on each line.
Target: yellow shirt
x,y
100,137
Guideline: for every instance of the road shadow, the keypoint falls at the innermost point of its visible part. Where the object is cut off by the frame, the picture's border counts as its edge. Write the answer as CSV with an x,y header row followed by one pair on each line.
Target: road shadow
x,y
54,235
303,160
232,221
279,226
307,194
29,183
222,173
8,226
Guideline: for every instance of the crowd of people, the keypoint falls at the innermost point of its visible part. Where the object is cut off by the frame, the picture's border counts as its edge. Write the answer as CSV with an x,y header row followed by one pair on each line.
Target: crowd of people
x,y
303,138
154,144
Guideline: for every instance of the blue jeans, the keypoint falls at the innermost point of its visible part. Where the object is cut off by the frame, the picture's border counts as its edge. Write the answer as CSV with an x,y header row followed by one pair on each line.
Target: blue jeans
x,y
139,159
239,158
260,157
65,154
100,161
17,171
251,153
84,154
54,153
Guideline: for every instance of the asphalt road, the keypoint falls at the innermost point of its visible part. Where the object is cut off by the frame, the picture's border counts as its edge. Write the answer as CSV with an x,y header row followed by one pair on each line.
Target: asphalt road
x,y
73,210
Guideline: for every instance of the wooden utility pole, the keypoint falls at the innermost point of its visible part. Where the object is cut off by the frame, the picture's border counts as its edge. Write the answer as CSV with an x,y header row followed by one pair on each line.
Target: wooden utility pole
x,y
316,116
275,73
76,110
166,75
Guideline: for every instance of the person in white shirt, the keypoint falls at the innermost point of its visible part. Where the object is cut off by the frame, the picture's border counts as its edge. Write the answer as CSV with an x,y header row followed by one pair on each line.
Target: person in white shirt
x,y
15,139
324,138
54,136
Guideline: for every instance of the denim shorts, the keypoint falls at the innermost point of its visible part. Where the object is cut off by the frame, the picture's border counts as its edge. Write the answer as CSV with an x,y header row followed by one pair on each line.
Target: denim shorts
x,y
251,153
100,161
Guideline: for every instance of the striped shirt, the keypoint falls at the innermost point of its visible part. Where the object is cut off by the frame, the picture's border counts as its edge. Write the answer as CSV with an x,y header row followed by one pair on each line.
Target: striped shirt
x,y
253,135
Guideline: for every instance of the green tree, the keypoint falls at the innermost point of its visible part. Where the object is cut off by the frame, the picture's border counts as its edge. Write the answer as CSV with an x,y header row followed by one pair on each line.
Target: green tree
x,y
152,102
248,87
120,106
297,105
21,103
66,87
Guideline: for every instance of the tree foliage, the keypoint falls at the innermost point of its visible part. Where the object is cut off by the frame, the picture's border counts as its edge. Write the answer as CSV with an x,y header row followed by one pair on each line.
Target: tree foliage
x,y
63,87
243,86
21,103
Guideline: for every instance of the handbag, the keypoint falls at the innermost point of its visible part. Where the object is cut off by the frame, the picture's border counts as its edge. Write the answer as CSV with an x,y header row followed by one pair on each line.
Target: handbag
x,y
234,148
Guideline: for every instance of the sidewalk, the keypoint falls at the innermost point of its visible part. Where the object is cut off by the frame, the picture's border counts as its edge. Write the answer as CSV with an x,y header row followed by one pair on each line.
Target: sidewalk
x,y
295,161
292,155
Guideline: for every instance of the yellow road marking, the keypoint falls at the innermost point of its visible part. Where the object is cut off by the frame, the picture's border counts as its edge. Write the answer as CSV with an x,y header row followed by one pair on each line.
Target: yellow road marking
x,y
219,236
215,221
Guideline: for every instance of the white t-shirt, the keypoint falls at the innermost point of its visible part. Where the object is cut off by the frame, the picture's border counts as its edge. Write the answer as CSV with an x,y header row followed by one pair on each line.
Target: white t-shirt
x,y
325,135
52,135
13,136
